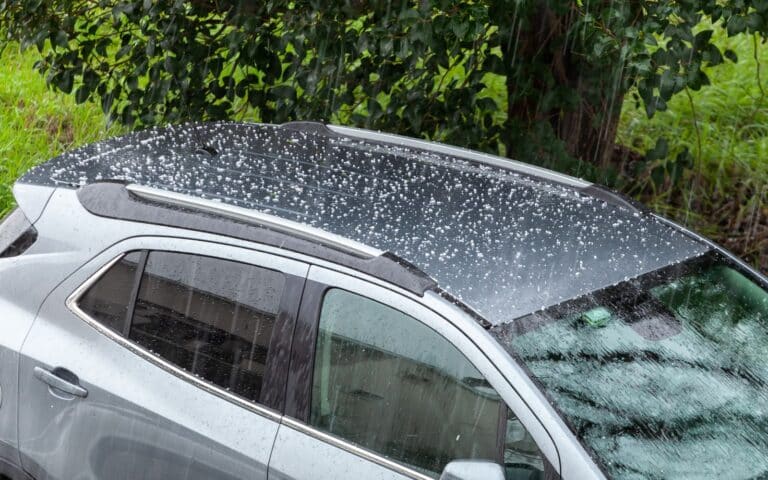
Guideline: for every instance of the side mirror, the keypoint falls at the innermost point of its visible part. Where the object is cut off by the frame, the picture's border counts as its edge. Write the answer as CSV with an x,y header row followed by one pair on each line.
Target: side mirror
x,y
472,470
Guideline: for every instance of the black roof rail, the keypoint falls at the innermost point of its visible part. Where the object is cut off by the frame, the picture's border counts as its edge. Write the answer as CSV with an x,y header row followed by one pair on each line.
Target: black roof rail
x,y
116,200
309,127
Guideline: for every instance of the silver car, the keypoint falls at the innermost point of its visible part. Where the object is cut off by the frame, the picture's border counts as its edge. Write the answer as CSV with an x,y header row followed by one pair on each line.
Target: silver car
x,y
243,301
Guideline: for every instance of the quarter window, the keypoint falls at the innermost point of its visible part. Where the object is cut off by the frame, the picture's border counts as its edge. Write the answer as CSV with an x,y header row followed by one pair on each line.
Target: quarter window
x,y
213,318
108,299
387,382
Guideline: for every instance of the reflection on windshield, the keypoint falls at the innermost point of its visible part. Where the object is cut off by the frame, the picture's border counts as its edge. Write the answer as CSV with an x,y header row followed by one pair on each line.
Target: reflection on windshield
x,y
663,376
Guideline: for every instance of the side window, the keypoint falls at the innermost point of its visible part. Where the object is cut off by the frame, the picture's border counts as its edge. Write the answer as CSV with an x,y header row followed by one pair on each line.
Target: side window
x,y
389,383
108,299
213,318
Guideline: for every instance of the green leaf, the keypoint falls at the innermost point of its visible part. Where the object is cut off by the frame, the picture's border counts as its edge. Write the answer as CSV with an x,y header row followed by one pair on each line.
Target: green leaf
x,y
283,92
82,94
39,37
409,16
702,38
659,151
697,79
132,82
731,55
754,21
736,24
760,5
124,50
121,9
713,56
458,27
487,104
65,81
667,84
374,107
60,39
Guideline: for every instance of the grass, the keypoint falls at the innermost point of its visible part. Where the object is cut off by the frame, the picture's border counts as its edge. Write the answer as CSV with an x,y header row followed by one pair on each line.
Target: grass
x,y
730,117
36,123
725,128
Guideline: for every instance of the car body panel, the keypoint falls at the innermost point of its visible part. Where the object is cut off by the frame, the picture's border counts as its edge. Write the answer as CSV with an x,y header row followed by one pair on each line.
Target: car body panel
x,y
297,442
66,243
501,239
130,424
21,294
301,455
32,199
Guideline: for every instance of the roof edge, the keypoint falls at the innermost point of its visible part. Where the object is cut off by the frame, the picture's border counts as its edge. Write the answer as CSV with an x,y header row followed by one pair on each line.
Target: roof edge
x,y
115,200
464,153
253,216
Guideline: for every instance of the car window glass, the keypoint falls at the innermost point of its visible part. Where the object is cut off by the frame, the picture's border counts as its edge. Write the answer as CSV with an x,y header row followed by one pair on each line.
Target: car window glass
x,y
668,362
108,299
522,458
211,317
389,383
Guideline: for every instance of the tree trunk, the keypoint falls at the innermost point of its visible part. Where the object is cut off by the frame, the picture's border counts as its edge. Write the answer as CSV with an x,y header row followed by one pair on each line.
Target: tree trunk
x,y
586,124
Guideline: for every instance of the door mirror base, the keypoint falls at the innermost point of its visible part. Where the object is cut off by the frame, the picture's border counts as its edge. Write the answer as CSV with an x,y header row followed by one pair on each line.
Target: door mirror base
x,y
472,470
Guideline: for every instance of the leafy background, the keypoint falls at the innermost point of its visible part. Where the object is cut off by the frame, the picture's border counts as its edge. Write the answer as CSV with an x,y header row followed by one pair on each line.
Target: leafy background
x,y
662,100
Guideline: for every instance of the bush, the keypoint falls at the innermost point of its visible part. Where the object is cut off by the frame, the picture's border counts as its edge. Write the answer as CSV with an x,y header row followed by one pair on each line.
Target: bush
x,y
420,68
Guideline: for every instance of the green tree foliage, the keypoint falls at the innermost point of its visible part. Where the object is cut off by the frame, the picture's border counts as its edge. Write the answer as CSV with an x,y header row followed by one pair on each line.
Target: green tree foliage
x,y
420,68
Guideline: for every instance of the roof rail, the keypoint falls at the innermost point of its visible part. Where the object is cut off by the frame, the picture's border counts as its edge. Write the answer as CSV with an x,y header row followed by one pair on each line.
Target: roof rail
x,y
138,203
308,127
297,229
587,188
466,154
614,198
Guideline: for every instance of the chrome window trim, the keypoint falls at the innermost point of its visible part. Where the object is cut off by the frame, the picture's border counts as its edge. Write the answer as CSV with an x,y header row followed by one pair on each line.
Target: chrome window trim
x,y
500,162
354,449
72,305
297,229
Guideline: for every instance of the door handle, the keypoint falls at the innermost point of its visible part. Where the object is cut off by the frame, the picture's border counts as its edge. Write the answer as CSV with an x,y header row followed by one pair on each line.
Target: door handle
x,y
61,379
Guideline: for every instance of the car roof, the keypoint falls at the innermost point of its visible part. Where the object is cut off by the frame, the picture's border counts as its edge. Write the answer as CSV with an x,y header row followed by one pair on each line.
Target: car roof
x,y
503,237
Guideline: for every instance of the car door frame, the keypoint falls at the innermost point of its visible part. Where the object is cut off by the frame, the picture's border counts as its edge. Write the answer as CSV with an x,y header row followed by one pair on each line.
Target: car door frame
x,y
299,388
295,270
286,320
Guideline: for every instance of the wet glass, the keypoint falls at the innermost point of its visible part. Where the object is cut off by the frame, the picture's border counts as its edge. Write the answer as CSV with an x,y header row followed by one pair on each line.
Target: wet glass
x,y
663,376
108,299
522,458
387,382
211,317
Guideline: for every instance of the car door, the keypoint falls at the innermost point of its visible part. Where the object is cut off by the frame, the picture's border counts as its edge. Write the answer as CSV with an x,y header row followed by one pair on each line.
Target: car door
x,y
380,387
160,358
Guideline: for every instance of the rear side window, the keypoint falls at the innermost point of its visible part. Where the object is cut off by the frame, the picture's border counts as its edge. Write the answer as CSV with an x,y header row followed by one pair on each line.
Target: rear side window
x,y
108,299
16,234
211,317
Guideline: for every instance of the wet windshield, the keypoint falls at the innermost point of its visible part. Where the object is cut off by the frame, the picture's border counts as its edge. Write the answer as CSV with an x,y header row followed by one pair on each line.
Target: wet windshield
x,y
663,376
